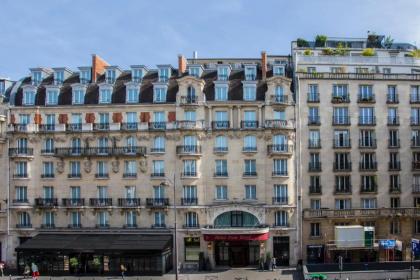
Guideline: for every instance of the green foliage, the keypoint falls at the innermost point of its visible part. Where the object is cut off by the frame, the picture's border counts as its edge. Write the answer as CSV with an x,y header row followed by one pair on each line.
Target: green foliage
x,y
368,52
302,43
341,49
308,52
414,53
74,262
328,51
320,41
388,42
96,262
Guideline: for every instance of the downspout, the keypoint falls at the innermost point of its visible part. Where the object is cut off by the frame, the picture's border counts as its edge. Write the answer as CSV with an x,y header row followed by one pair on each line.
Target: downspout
x,y
8,193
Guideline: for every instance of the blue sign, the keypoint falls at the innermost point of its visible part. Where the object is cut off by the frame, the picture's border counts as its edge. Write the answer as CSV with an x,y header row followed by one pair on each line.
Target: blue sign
x,y
415,247
387,243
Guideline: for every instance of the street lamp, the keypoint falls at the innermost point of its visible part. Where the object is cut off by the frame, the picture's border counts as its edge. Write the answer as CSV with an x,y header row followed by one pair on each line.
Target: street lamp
x,y
175,235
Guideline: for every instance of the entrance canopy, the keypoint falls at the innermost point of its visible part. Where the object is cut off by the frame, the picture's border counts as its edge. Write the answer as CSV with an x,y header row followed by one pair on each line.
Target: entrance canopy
x,y
97,242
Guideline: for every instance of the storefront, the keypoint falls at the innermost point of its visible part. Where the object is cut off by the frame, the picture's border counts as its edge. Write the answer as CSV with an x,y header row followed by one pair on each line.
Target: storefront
x,y
281,250
97,254
315,254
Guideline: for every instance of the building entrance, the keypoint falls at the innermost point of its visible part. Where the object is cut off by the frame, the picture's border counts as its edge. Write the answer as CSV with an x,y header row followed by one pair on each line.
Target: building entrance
x,y
237,253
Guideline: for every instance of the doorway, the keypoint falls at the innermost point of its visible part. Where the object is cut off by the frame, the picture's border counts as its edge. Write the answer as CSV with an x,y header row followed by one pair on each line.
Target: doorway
x,y
281,250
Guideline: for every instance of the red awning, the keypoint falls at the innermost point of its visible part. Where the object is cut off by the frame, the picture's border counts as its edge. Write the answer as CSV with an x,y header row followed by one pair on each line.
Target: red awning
x,y
236,237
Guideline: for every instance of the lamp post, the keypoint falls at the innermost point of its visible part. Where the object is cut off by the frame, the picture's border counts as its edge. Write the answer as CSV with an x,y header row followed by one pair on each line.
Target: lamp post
x,y
175,225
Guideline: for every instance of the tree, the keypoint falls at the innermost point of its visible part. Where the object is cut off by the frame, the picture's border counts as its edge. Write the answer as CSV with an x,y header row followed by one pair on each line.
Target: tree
x,y
320,41
388,42
302,43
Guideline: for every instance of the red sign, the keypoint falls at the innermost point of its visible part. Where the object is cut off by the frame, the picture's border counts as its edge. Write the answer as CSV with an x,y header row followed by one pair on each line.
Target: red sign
x,y
236,237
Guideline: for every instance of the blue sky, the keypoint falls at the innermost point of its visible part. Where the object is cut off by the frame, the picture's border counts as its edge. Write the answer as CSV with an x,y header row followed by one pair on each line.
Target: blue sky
x,y
55,33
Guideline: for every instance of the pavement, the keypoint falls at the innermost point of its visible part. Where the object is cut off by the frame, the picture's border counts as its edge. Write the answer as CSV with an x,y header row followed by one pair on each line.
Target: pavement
x,y
230,274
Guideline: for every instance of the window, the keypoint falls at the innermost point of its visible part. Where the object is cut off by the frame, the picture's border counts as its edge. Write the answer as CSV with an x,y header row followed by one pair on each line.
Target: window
x,y
191,219
222,73
159,192
367,138
249,93
21,194
313,94
394,140
50,122
130,192
85,76
132,95
386,70
191,98
131,218
395,227
47,169
221,192
341,115
75,193
52,97
76,121
279,115
194,71
368,183
24,220
281,219
75,219
103,145
159,219
102,192
190,167
222,120
278,70
130,168
48,147
250,143
279,94
159,95
102,169
221,143
192,249
340,92
367,116
250,73
366,93
250,167
343,204
315,230
76,144
279,167
28,97
368,161
393,116
36,77
415,94
110,76
280,193
343,184
158,168
315,204
221,168
24,119
75,169
105,96
164,74
342,161
48,219
313,115
311,69
190,116
136,75
158,144
103,220
190,194
341,138
314,161
368,203
130,143
394,183
48,192
392,96
395,202
415,116
417,226
251,192
221,93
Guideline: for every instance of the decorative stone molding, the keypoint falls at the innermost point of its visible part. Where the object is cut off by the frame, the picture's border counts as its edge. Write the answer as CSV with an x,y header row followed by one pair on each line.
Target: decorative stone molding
x,y
87,166
115,166
143,165
60,166
256,210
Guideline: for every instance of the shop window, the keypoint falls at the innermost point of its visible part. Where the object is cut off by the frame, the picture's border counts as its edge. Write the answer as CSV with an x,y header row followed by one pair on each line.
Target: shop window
x,y
192,248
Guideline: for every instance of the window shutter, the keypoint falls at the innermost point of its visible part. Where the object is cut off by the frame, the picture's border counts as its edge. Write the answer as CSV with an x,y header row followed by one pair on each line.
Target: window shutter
x,y
12,119
90,118
171,116
63,118
38,118
117,118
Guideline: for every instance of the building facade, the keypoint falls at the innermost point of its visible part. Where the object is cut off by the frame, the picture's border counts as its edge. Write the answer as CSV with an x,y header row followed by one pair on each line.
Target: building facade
x,y
206,150
358,127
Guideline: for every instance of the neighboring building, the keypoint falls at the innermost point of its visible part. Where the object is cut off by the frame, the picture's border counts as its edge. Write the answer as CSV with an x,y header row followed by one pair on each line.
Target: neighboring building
x,y
98,151
358,147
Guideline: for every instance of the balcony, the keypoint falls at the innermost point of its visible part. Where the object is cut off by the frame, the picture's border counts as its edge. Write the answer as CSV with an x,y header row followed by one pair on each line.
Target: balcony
x,y
249,124
188,150
46,202
21,127
313,97
20,201
157,174
416,188
220,150
370,189
74,127
415,142
46,127
250,174
249,149
367,143
75,226
47,151
128,202
187,125
279,149
280,200
102,175
343,189
157,150
279,99
47,175
393,143
74,175
317,190
341,120
157,125
23,226
104,226
20,176
342,144
47,226
159,226
366,98
100,151
414,99
157,202
130,126
394,166
130,226
189,201
394,121
416,165
314,120
21,152
342,166
188,100
314,143
223,174
191,225
73,202
395,189
368,166
101,127
278,124
220,124
367,121
414,121
129,175
100,202
279,173
192,174
392,99
314,167
337,99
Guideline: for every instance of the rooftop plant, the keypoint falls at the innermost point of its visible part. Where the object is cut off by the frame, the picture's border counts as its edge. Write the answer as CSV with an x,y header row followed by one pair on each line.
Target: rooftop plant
x,y
368,52
307,52
302,43
388,42
327,51
320,41
341,49
414,53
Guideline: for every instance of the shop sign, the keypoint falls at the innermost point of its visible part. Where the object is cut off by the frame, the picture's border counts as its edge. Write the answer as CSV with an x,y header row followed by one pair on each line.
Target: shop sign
x,y
236,237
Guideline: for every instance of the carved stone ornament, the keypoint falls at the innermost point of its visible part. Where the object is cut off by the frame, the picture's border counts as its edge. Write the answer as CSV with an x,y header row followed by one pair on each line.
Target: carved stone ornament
x,y
59,139
115,166
87,165
143,137
143,165
34,139
60,166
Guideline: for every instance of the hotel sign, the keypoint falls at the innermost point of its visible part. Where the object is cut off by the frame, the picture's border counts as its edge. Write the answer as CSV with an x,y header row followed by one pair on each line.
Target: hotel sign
x,y
236,237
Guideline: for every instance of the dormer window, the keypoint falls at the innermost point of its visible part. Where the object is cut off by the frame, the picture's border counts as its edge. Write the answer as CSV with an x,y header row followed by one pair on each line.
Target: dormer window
x,y
136,75
28,98
222,73
194,71
36,77
58,77
278,70
159,95
132,95
78,96
221,93
52,97
250,73
105,96
110,76
85,76
164,74
250,92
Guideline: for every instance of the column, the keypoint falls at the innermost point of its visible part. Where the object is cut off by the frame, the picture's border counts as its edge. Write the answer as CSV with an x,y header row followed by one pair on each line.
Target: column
x,y
260,119
231,117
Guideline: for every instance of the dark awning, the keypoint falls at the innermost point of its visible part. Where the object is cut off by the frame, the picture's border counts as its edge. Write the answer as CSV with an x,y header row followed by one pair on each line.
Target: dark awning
x,y
97,242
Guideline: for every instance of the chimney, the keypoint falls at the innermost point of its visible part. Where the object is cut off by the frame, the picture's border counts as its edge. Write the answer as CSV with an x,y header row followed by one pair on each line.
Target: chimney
x,y
264,65
182,65
98,66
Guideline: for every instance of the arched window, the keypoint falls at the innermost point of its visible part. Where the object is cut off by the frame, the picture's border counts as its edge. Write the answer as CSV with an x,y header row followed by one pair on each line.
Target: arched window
x,y
191,219
221,144
250,143
236,219
190,140
24,219
281,219
191,98
158,144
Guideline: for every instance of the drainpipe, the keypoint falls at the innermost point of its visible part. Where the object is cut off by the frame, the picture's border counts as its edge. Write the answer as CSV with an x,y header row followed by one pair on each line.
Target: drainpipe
x,y
8,195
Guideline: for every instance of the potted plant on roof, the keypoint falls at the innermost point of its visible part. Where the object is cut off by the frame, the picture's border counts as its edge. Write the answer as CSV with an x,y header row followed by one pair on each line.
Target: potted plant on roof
x,y
327,51
414,53
307,52
368,52
320,41
302,43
